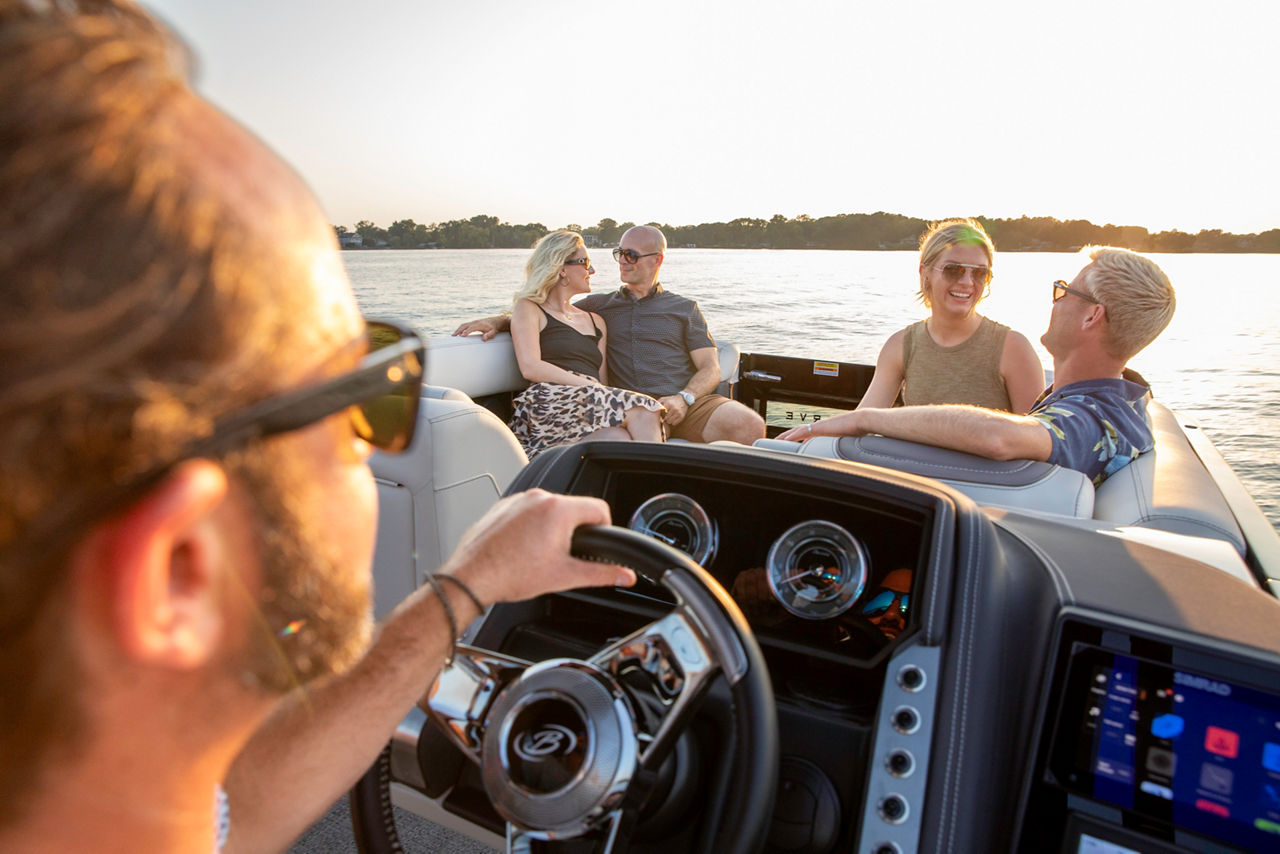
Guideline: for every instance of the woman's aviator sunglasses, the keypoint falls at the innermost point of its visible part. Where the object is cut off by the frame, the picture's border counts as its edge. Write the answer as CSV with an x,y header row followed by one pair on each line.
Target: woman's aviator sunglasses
x,y
630,255
955,272
584,261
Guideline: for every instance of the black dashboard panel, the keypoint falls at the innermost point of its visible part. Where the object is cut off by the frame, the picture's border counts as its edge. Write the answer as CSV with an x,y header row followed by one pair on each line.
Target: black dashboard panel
x,y
828,674
970,727
751,501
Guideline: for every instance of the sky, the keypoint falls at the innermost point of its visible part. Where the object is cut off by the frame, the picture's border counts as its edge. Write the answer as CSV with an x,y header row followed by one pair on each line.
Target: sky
x,y
1160,114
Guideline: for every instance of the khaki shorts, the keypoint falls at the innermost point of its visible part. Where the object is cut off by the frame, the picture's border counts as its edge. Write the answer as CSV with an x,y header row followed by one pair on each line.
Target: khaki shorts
x,y
695,419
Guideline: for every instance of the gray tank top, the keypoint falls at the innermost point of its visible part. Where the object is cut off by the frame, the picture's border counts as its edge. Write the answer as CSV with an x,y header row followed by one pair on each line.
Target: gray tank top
x,y
969,372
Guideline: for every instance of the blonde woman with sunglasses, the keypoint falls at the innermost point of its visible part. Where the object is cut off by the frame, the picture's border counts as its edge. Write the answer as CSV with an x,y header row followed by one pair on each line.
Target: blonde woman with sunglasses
x,y
561,350
956,355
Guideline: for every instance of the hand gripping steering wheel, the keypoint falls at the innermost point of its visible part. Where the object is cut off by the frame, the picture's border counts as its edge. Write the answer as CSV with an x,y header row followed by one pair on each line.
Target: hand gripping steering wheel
x,y
563,749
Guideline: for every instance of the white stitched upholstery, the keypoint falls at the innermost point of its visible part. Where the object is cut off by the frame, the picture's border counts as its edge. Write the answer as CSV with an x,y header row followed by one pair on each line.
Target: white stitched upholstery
x,y
461,461
1168,489
480,368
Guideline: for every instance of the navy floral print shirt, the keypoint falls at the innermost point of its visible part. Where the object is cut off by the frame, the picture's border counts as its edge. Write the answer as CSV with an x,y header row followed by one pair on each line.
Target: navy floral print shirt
x,y
1097,426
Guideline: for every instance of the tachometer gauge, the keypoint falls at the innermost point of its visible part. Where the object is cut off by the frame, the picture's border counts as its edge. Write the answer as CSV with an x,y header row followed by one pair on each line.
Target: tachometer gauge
x,y
817,569
678,521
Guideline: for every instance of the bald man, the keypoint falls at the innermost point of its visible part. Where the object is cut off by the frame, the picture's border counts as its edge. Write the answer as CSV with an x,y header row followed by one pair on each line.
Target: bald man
x,y
658,344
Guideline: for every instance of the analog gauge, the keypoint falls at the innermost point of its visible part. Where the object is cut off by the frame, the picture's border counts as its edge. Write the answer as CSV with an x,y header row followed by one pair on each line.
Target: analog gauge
x,y
817,569
680,522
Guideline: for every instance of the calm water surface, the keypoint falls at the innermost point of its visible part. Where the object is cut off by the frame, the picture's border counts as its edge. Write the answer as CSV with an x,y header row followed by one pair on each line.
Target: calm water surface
x,y
1218,363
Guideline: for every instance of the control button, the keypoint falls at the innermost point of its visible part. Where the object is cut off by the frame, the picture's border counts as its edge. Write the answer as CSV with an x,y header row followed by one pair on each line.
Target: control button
x,y
886,848
893,809
911,678
900,763
906,720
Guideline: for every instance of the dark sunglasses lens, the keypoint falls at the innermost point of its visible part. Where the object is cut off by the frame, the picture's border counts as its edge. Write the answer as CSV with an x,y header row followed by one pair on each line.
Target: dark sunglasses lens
x,y
629,254
880,603
388,420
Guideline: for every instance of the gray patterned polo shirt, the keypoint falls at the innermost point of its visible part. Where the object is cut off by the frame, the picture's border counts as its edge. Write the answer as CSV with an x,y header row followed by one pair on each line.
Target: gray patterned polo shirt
x,y
650,339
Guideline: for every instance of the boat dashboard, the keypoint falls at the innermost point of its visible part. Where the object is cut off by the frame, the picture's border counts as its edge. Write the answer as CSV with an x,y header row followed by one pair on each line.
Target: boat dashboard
x,y
946,677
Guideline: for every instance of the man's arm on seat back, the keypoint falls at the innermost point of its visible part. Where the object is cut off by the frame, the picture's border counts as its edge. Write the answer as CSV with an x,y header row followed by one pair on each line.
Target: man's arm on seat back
x,y
486,326
972,429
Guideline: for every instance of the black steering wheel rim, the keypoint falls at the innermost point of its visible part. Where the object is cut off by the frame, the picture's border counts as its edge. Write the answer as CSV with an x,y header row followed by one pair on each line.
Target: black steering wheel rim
x,y
743,823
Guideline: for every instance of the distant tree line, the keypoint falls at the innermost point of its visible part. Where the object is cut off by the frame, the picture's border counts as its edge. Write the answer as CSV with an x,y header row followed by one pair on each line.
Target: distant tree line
x,y
845,231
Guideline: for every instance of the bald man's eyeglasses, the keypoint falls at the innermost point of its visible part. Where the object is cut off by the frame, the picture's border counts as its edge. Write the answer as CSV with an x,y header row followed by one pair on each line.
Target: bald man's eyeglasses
x,y
630,255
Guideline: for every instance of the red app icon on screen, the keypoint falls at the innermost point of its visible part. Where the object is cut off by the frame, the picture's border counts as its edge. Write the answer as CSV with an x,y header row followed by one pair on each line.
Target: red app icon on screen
x,y
1223,742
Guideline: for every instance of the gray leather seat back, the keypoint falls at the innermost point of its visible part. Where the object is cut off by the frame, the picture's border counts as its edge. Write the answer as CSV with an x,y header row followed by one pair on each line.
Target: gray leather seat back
x,y
1168,489
1009,484
461,461
729,356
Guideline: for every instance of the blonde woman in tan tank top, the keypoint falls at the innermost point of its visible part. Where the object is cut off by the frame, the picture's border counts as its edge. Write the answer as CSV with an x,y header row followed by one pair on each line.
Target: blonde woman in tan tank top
x,y
956,355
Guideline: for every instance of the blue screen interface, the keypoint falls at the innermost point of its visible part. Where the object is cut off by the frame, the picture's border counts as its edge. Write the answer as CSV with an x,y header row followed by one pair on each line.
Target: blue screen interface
x,y
1187,749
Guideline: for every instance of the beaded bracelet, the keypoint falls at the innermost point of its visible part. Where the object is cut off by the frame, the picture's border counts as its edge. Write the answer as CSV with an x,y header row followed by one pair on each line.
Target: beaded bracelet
x,y
434,581
448,613
475,600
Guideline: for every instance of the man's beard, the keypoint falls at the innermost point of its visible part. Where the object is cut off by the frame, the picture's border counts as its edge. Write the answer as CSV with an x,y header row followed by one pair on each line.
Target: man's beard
x,y
313,616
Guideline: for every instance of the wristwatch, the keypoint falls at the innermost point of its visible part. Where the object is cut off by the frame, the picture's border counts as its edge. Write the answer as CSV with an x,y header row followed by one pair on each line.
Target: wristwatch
x,y
688,397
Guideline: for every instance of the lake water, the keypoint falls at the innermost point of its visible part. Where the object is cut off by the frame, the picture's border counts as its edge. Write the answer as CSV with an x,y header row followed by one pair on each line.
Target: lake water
x,y
1218,363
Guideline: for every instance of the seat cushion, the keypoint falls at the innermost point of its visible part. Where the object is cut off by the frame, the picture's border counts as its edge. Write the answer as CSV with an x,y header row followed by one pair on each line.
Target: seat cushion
x,y
1168,489
461,461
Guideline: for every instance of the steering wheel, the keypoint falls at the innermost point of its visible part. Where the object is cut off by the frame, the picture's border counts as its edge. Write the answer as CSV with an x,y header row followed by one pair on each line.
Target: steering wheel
x,y
564,750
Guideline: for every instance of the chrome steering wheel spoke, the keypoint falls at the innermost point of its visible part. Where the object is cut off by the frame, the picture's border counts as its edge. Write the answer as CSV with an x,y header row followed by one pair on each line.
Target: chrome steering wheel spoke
x,y
465,690
672,653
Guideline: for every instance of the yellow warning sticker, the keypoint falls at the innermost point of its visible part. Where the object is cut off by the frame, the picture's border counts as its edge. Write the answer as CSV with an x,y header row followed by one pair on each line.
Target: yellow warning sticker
x,y
826,369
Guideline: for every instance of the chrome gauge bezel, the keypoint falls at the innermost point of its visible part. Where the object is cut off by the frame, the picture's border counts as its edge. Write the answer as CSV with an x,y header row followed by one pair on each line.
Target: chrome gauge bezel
x,y
701,537
849,562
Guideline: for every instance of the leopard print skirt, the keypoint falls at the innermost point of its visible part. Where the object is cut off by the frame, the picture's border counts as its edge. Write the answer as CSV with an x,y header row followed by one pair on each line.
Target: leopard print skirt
x,y
550,414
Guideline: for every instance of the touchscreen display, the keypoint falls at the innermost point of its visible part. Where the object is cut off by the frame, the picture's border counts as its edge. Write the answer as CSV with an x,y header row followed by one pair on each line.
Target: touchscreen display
x,y
1182,748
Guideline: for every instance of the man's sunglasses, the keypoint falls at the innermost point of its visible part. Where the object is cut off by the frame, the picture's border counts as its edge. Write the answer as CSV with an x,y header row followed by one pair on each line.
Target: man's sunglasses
x,y
883,601
380,396
580,262
955,272
1060,290
630,255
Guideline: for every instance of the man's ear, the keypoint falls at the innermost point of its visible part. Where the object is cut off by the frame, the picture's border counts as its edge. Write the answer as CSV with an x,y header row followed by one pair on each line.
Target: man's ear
x,y
160,569
1094,317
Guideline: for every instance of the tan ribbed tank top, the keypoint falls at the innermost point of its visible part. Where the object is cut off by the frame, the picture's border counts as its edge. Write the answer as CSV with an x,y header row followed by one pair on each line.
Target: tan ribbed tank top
x,y
969,372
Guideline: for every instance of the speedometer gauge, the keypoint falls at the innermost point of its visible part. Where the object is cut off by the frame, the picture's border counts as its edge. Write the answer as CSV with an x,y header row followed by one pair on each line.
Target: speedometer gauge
x,y
817,569
678,521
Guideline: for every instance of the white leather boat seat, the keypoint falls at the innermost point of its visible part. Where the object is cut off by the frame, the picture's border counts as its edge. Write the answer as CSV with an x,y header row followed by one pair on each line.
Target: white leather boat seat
x,y
1010,484
1168,489
482,368
461,461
